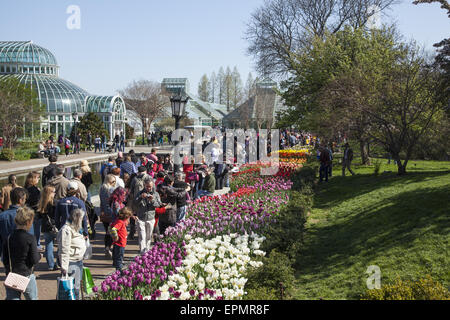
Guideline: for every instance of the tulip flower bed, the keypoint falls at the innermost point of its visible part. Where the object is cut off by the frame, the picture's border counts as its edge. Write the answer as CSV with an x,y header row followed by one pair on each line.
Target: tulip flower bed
x,y
206,255
298,156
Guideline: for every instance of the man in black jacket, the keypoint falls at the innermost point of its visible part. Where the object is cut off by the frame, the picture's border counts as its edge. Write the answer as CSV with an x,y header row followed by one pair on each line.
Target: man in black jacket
x,y
49,171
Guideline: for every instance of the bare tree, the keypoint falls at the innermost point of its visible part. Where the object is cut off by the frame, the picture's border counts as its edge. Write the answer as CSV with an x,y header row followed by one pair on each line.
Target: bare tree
x,y
147,99
282,27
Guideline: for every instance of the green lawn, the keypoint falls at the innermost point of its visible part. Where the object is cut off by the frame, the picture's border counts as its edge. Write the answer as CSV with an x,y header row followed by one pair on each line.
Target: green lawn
x,y
401,224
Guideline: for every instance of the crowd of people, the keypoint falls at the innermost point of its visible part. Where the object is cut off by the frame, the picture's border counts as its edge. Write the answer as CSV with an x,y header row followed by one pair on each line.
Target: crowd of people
x,y
139,193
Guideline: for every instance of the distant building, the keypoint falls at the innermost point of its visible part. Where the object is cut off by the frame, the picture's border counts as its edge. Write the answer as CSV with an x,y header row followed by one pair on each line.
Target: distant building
x,y
259,111
201,112
37,67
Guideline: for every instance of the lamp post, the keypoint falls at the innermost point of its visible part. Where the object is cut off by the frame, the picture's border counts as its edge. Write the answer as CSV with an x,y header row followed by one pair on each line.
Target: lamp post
x,y
75,116
178,103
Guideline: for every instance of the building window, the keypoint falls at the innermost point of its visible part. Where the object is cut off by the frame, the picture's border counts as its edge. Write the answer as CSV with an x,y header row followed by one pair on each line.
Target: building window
x,y
2,69
61,118
7,69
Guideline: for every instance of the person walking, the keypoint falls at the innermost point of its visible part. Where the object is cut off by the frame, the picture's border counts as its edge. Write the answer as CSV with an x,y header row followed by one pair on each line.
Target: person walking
x,y
103,142
72,246
106,215
89,141
7,225
59,182
49,171
20,254
181,201
324,163
86,177
347,160
128,166
82,192
147,202
119,232
46,211
119,180
68,204
122,142
67,146
107,168
97,144
136,186
5,199
34,193
117,143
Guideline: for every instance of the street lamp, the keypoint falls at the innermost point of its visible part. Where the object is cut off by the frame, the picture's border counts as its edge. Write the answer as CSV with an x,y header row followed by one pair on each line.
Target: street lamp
x,y
178,103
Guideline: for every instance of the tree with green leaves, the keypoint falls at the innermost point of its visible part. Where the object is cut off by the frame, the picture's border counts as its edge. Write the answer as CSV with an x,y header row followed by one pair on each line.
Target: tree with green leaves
x,y
92,123
321,63
394,95
19,106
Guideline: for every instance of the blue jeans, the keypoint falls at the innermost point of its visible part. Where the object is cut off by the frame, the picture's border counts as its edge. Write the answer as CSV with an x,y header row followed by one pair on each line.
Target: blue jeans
x,y
76,271
37,231
117,147
122,146
117,254
181,213
31,293
49,256
323,172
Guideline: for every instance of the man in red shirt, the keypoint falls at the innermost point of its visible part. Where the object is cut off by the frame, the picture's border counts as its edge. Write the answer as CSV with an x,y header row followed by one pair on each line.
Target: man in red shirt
x,y
118,232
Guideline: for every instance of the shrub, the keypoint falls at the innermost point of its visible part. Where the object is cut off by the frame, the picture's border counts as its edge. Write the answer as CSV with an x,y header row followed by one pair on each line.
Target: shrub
x,y
262,293
304,177
7,155
266,280
423,289
287,234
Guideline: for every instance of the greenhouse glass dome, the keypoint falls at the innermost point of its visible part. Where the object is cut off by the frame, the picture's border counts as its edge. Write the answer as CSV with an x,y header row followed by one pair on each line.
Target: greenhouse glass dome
x,y
36,66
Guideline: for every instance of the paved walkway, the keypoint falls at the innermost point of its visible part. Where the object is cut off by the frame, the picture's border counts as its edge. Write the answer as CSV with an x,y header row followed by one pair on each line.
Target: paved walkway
x,y
20,167
99,265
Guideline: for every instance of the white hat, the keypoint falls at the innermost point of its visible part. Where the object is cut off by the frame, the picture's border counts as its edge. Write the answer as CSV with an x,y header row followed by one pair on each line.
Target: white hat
x,y
72,185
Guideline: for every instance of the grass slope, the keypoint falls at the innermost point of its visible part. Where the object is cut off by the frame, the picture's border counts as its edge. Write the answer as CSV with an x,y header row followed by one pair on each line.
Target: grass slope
x,y
401,224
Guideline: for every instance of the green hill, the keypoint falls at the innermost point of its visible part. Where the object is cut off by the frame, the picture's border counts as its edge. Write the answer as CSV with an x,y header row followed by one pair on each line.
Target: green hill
x,y
400,224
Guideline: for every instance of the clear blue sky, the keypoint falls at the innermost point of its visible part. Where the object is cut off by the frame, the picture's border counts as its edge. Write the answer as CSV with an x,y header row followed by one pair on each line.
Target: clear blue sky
x,y
122,40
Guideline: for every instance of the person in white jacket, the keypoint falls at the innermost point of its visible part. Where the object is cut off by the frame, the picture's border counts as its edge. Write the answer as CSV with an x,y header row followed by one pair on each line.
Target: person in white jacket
x,y
71,248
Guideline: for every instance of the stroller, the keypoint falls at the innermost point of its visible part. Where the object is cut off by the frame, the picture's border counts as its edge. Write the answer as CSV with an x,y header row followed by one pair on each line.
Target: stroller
x,y
110,147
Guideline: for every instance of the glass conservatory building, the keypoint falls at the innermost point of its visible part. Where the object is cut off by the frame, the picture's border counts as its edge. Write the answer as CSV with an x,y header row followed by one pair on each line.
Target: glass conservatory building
x,y
37,67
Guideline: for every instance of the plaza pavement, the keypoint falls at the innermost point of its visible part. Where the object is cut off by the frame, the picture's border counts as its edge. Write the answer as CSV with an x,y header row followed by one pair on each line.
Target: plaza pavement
x,y
99,265
22,167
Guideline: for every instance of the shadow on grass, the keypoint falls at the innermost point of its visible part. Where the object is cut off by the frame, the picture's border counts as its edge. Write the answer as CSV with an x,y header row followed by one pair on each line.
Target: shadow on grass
x,y
370,232
341,189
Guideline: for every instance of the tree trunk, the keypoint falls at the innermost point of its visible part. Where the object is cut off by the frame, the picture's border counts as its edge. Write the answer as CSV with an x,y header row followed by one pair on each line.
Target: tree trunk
x,y
365,160
400,166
